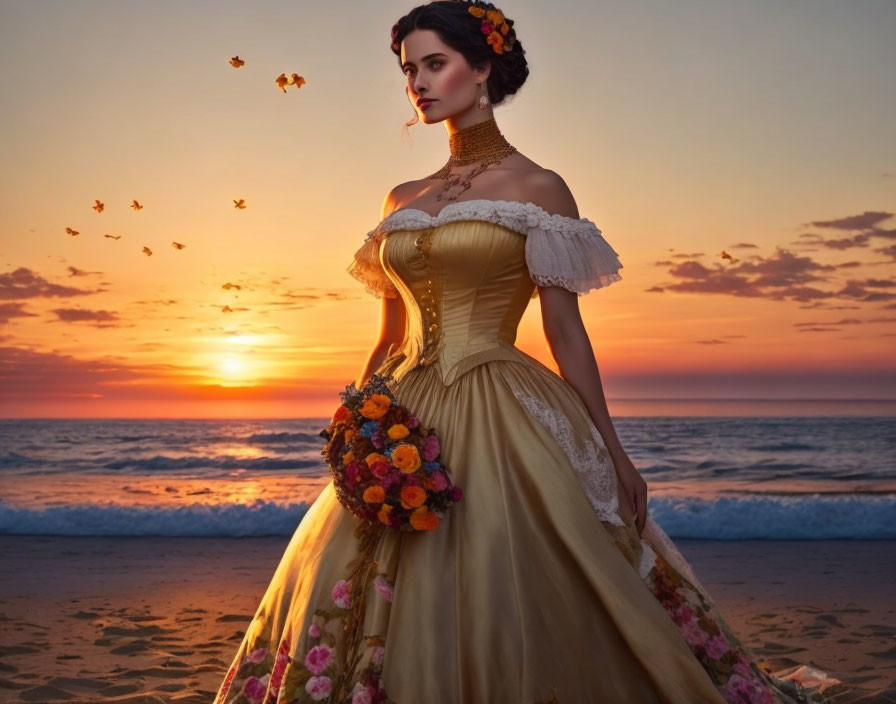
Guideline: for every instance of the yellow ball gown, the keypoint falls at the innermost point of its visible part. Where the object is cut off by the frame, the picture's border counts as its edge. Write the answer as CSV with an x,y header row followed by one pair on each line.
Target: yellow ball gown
x,y
536,586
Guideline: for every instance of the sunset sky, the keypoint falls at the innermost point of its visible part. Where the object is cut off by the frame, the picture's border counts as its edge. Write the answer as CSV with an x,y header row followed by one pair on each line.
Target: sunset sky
x,y
683,129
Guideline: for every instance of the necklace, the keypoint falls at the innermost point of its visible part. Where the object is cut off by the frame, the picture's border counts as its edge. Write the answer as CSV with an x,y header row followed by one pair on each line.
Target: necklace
x,y
482,142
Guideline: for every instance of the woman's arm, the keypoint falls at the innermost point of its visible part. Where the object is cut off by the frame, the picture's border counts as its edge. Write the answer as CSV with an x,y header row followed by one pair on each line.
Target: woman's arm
x,y
392,331
571,349
393,316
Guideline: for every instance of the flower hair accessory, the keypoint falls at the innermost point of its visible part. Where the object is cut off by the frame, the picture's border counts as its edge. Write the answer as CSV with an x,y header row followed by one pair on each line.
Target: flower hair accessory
x,y
494,26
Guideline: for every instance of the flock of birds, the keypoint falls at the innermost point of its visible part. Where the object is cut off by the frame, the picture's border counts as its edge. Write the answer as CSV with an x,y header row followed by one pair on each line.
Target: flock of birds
x,y
282,81
239,203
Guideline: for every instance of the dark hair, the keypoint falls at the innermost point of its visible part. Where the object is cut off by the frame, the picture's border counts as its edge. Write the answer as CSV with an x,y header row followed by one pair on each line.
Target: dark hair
x,y
461,31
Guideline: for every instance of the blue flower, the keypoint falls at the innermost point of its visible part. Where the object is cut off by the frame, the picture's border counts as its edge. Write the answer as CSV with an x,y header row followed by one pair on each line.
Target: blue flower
x,y
431,467
369,428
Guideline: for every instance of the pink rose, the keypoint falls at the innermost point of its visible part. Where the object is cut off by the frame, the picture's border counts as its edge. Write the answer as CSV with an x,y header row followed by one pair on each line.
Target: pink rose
x,y
319,687
716,647
314,630
740,690
341,594
390,480
352,473
318,659
412,421
431,448
487,27
257,655
439,480
383,588
456,493
742,667
255,687
693,633
682,614
376,656
362,694
379,469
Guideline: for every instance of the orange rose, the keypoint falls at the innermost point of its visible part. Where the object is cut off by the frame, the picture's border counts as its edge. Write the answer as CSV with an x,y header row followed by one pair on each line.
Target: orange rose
x,y
384,512
375,406
412,496
348,457
424,519
375,457
476,11
349,434
398,431
374,494
497,42
406,458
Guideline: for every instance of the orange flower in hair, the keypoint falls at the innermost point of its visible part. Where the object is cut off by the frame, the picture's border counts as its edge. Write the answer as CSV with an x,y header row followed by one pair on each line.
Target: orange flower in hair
x,y
497,42
494,26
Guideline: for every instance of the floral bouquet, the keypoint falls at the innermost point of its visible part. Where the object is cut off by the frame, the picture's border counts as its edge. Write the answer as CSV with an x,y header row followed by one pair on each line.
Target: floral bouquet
x,y
386,465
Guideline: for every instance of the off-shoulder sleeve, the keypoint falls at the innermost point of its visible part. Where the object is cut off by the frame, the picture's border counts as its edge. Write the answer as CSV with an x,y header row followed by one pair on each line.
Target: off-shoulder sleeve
x,y
570,252
367,268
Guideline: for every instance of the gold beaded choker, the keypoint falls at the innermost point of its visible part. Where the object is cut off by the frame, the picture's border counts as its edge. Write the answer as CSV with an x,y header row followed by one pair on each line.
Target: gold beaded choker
x,y
482,142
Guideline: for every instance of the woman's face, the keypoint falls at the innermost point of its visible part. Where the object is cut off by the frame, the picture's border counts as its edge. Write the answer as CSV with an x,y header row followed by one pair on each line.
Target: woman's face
x,y
436,71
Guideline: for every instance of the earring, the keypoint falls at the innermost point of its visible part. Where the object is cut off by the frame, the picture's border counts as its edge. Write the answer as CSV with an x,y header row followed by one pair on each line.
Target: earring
x,y
483,99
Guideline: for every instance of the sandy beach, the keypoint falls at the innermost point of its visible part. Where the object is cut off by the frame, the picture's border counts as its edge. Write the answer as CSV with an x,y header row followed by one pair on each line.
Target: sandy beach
x,y
158,619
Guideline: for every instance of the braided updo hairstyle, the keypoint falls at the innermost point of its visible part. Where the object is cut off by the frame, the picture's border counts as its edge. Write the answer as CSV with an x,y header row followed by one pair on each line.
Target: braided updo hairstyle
x,y
461,31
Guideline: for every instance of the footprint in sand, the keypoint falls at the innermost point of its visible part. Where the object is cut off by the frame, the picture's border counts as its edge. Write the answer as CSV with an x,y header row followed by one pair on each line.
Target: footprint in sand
x,y
85,615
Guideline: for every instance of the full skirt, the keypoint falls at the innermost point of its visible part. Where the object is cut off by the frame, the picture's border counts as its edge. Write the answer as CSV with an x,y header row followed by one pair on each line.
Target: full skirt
x,y
535,587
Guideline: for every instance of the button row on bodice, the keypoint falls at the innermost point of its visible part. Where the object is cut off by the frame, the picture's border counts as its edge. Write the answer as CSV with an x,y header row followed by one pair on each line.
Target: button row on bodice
x,y
428,303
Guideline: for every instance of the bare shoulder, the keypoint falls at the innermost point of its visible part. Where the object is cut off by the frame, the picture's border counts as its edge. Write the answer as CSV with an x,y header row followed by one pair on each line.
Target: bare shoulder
x,y
547,189
399,194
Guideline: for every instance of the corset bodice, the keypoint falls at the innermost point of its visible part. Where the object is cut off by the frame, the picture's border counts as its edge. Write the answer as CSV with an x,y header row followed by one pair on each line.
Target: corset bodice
x,y
465,286
467,274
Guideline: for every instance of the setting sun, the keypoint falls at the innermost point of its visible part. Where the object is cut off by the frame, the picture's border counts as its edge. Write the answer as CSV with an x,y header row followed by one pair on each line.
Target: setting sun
x,y
234,369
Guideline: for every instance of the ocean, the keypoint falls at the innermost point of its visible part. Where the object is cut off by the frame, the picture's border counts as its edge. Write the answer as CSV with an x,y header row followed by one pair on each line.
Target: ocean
x,y
710,477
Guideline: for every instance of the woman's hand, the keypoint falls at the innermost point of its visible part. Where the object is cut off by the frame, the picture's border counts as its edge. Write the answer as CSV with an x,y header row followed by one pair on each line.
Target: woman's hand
x,y
635,489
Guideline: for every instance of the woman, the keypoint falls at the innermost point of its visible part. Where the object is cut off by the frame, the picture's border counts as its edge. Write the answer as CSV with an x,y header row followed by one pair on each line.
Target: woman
x,y
548,582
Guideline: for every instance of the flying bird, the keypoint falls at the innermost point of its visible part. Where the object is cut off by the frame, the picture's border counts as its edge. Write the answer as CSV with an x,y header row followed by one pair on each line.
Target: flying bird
x,y
99,205
725,255
229,286
236,62
293,80
147,251
113,237
136,206
227,309
72,232
178,245
241,203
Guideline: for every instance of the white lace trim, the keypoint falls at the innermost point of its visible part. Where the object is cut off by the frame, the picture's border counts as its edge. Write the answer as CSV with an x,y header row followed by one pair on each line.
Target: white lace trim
x,y
560,250
367,268
590,460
